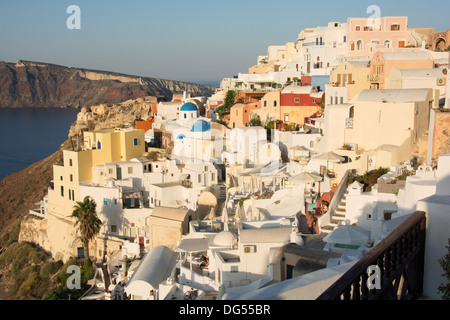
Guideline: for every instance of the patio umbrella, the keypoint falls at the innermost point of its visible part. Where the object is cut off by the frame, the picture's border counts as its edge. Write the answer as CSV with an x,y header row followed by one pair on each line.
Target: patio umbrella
x,y
301,150
348,235
306,177
225,218
329,157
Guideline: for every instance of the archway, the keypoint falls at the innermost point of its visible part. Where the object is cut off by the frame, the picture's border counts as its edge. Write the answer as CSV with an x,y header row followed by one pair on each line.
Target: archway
x,y
440,44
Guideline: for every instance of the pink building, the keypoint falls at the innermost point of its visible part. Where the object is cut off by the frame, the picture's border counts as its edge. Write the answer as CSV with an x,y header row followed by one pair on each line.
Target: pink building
x,y
365,36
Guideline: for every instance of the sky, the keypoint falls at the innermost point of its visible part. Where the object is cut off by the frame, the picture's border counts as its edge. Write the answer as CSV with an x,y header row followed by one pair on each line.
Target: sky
x,y
194,41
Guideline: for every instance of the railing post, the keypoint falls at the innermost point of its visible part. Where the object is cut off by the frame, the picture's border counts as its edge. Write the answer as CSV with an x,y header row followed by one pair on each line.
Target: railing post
x,y
400,258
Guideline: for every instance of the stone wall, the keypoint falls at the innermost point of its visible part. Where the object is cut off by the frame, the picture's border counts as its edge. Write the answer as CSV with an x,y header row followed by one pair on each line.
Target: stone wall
x,y
441,137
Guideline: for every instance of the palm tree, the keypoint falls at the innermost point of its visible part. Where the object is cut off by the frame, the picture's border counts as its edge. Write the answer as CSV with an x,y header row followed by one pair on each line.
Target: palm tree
x,y
88,222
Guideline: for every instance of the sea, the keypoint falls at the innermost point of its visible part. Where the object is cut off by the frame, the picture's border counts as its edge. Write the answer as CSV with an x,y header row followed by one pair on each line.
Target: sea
x,y
28,135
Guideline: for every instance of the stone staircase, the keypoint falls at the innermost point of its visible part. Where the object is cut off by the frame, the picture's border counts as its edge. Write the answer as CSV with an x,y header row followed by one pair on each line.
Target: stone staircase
x,y
339,216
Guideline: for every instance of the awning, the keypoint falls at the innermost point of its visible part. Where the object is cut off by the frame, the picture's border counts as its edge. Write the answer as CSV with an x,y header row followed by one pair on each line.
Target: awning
x,y
192,245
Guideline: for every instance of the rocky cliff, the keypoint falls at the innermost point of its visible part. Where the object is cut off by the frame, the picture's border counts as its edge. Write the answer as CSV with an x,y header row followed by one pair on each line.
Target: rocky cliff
x,y
32,84
20,191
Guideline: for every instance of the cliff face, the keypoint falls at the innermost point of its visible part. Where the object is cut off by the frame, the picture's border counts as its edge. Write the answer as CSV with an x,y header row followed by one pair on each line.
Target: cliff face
x,y
20,191
30,84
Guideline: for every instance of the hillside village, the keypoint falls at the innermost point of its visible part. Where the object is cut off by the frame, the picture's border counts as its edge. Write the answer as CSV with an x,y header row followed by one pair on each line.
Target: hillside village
x,y
330,145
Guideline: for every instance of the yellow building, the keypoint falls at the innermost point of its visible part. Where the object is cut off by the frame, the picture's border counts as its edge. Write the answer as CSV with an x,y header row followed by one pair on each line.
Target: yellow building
x,y
99,147
388,125
346,81
270,107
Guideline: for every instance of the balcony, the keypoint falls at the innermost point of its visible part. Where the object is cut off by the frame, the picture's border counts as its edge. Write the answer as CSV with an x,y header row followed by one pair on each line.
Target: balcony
x,y
373,77
400,259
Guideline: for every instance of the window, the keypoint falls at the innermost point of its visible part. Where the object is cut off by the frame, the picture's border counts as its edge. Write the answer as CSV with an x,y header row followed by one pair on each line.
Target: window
x,y
135,141
387,44
62,191
130,170
110,171
113,228
73,195
71,177
234,269
274,103
70,162
345,39
352,46
401,44
360,45
99,145
358,28
395,27
185,116
105,201
70,195
297,100
61,178
286,117
265,103
199,178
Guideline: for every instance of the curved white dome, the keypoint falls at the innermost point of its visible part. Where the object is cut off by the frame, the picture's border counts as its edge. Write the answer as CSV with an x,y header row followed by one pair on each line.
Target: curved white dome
x,y
224,239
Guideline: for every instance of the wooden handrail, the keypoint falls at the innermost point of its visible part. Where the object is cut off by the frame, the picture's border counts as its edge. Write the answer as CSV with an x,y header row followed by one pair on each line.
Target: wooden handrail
x,y
399,257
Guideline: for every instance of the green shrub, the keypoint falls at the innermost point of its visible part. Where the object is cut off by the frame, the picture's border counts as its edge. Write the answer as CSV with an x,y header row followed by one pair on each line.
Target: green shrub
x,y
38,256
49,269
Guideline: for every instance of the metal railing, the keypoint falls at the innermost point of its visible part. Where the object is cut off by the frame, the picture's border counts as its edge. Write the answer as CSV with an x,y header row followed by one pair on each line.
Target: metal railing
x,y
400,261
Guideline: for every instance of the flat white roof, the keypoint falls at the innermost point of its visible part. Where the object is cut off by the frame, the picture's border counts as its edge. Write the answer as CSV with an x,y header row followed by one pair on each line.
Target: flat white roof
x,y
411,55
393,95
433,73
264,235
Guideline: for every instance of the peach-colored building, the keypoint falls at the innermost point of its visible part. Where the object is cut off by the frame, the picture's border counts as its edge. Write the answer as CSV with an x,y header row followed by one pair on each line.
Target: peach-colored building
x,y
365,36
240,114
383,62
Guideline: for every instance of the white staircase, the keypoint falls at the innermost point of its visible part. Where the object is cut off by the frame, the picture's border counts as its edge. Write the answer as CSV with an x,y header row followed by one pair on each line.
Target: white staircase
x,y
339,216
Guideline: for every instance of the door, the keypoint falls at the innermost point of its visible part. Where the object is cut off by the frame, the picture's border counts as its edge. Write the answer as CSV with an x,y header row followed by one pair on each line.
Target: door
x,y
370,163
80,252
289,271
119,173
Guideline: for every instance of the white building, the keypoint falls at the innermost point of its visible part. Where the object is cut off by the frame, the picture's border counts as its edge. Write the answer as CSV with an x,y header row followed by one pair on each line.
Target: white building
x,y
319,50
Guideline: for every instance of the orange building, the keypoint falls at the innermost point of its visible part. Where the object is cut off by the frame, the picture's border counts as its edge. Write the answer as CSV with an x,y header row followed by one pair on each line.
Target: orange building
x,y
240,114
144,124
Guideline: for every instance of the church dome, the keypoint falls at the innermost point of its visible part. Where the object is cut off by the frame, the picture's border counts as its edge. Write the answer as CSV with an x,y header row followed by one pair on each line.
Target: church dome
x,y
201,126
189,106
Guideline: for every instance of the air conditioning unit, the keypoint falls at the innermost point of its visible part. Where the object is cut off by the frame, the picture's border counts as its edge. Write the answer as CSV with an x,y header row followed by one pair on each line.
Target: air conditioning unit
x,y
441,81
249,249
